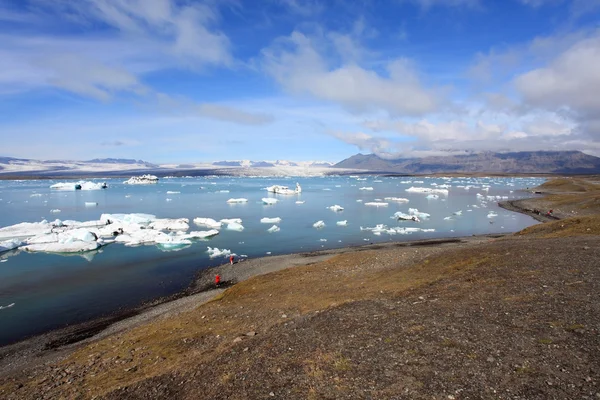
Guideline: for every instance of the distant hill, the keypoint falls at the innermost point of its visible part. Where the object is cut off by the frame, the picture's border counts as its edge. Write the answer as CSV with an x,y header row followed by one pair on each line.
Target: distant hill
x,y
560,162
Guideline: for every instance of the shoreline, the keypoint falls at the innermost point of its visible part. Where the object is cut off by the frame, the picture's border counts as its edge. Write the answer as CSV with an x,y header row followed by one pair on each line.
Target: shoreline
x,y
55,343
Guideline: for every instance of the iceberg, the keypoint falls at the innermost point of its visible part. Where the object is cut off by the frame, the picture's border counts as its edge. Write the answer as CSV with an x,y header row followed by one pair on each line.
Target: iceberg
x,y
492,214
70,186
7,306
234,226
26,229
432,197
274,228
365,188
75,246
376,204
91,204
417,213
397,199
279,189
55,211
215,252
211,223
240,200
170,224
199,234
136,218
336,208
405,217
342,223
266,220
172,192
300,202
269,201
142,180
231,221
319,224
413,189
92,185
9,245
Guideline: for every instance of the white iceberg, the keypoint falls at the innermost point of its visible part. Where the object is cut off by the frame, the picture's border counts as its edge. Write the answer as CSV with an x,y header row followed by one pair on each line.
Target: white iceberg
x,y
215,252
432,197
397,199
231,221
342,223
492,214
274,228
75,246
279,189
240,200
266,220
365,188
91,204
91,185
68,186
376,204
10,245
209,222
417,213
26,229
137,218
172,192
170,224
413,189
269,201
200,234
142,180
336,208
300,202
55,211
234,226
319,224
405,217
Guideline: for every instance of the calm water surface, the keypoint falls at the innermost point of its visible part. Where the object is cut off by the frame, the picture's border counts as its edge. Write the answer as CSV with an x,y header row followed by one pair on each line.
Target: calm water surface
x,y
51,291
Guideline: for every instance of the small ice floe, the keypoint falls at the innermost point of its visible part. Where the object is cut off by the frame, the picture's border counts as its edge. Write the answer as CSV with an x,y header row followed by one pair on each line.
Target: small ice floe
x,y
273,229
400,216
56,210
36,195
365,188
169,199
492,214
214,252
8,306
448,218
69,186
234,226
459,212
432,197
327,189
336,208
397,199
342,223
127,196
90,204
413,189
377,181
376,204
142,180
266,220
240,200
268,253
322,240
300,202
269,201
172,192
319,224
417,213
359,201
10,245
223,191
209,222
231,221
170,224
199,234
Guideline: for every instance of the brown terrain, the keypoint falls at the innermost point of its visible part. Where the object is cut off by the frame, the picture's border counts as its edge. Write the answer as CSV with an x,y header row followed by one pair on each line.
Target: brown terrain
x,y
506,317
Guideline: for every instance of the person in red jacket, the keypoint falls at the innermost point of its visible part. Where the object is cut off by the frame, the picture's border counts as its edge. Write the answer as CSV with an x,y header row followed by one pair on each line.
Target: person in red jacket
x,y
231,259
217,280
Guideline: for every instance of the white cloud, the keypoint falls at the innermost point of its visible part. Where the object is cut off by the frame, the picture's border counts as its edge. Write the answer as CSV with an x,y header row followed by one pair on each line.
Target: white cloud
x,y
300,65
231,114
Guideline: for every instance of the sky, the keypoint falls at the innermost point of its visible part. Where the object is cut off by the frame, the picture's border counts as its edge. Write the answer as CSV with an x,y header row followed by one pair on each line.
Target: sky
x,y
176,81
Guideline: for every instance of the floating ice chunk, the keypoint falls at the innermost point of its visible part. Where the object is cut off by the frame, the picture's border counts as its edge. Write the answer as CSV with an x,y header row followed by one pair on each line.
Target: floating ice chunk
x,y
342,223
240,200
215,252
137,218
365,188
413,189
359,201
266,220
416,212
376,204
300,202
231,221
336,208
492,214
172,192
397,199
170,224
26,229
223,191
200,234
35,195
405,217
319,224
75,246
432,197
377,181
55,211
235,226
322,240
91,204
142,180
69,186
9,245
457,212
211,223
169,200
8,306
269,201
274,228
92,185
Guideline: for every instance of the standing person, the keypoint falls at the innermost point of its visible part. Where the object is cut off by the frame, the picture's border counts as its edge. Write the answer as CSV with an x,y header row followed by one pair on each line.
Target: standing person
x,y
217,280
231,259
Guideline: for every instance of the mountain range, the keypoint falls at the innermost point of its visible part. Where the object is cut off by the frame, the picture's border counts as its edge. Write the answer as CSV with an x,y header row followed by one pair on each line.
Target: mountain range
x,y
529,162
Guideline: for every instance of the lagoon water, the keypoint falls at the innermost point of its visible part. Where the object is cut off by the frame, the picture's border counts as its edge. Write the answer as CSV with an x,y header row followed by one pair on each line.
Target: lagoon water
x,y
51,290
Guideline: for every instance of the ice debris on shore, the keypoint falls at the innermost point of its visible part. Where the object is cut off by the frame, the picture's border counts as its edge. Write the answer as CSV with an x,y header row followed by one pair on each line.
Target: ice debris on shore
x,y
381,228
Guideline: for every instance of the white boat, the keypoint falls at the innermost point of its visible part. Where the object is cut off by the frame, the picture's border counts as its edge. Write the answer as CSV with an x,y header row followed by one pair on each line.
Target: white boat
x,y
279,189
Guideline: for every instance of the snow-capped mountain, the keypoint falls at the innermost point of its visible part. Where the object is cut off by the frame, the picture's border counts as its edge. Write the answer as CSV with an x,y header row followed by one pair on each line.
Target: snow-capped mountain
x,y
276,163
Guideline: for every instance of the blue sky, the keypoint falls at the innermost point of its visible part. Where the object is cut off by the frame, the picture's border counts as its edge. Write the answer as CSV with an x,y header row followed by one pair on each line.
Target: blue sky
x,y
192,81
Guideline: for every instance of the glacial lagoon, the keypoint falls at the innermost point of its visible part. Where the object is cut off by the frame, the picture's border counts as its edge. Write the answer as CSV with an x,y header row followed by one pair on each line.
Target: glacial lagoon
x,y
42,291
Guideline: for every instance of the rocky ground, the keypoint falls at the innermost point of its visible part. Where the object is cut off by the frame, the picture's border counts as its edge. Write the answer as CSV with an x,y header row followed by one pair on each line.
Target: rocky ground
x,y
513,317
